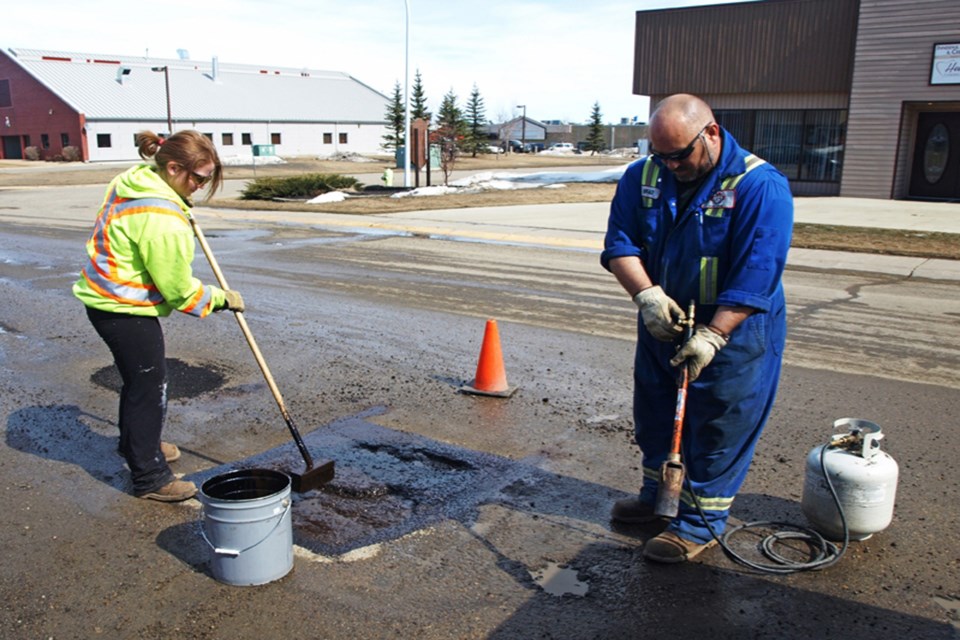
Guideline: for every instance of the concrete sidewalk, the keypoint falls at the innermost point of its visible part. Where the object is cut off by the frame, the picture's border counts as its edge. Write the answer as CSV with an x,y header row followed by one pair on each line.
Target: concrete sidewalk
x,y
582,226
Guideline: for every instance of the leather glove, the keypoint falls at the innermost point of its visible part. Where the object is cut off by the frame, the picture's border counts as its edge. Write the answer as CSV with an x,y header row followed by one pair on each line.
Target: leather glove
x,y
232,300
661,315
699,350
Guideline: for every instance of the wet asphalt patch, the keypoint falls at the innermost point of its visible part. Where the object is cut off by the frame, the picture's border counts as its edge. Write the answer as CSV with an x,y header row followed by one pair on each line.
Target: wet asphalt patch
x,y
389,484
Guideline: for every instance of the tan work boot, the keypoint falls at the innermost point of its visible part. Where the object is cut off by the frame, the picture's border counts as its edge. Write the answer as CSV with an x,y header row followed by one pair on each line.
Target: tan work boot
x,y
670,548
174,491
632,511
171,452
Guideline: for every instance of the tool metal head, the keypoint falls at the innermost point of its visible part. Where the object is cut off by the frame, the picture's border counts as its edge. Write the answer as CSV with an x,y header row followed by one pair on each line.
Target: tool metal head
x,y
312,477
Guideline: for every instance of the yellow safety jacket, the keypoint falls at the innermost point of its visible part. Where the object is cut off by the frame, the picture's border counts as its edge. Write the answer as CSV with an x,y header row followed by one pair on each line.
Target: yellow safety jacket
x,y
141,251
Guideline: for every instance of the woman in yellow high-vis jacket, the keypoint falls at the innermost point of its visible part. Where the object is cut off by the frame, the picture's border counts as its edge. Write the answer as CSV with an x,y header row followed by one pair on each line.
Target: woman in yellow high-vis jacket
x,y
139,270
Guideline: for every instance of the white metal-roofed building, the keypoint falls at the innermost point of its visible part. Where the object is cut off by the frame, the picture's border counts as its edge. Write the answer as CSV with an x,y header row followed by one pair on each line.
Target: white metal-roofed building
x,y
98,102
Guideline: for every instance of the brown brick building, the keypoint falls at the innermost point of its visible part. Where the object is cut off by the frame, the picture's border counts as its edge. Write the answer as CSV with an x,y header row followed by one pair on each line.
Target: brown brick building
x,y
858,98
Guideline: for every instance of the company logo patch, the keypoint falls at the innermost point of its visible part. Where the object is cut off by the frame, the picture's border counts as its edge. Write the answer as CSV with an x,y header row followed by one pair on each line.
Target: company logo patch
x,y
650,192
723,199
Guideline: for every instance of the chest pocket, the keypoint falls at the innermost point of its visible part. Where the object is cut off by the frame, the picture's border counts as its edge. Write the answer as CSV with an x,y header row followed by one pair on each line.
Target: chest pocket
x,y
714,224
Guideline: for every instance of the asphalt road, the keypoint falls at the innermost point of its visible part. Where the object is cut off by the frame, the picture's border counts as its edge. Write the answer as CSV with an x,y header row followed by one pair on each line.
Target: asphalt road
x,y
452,516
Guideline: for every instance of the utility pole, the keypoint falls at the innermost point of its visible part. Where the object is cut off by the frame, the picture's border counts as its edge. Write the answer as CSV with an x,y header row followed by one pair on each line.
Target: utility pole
x,y
523,129
406,94
166,83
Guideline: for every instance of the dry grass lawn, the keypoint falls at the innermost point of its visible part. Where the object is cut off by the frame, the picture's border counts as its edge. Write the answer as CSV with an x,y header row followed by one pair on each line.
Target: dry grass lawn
x,y
865,240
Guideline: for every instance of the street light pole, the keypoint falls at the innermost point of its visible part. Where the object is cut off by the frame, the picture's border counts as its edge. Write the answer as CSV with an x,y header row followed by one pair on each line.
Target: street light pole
x,y
166,83
523,129
406,94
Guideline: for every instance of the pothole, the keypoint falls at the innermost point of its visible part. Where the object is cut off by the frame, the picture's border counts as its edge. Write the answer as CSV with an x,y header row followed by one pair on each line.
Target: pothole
x,y
183,380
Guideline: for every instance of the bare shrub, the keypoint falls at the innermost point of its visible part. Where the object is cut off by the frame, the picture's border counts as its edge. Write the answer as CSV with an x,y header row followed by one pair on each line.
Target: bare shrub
x,y
71,154
31,153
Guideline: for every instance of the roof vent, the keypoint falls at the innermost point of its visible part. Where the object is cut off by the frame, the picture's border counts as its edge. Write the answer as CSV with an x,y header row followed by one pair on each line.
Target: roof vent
x,y
215,69
121,72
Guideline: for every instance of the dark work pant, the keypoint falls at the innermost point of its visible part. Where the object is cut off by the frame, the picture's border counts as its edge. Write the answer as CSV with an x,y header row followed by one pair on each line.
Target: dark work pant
x,y
137,346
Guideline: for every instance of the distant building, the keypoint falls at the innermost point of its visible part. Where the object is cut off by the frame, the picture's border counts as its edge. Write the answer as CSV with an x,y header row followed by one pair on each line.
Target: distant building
x,y
528,129
539,135
96,103
850,98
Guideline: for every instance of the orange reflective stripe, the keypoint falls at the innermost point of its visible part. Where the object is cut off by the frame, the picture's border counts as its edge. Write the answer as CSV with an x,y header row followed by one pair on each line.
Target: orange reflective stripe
x,y
102,270
201,296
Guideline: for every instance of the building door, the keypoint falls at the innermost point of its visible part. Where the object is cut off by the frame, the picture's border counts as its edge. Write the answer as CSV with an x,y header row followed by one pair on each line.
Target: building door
x,y
936,157
11,148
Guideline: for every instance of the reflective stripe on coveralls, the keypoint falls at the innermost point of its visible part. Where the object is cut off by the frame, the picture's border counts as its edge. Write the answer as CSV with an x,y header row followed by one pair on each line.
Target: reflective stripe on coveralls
x,y
649,189
708,264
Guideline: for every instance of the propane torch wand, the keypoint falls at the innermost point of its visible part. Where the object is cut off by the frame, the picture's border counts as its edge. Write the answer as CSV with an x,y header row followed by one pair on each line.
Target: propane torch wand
x,y
672,471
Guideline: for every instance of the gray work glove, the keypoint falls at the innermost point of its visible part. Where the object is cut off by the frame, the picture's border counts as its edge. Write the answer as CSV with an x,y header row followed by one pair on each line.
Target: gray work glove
x,y
699,350
661,315
232,300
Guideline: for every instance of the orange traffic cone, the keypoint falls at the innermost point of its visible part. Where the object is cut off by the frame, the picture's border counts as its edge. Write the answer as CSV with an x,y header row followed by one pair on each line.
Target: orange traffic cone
x,y
491,379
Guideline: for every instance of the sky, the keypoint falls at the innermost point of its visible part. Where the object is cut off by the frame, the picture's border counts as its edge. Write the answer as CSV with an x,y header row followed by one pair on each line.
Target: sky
x,y
556,57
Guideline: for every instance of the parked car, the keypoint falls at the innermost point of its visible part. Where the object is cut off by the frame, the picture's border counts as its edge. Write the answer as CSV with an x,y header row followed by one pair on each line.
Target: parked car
x,y
562,146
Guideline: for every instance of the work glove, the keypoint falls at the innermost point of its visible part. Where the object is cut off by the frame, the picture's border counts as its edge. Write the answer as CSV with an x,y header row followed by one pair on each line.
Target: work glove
x,y
661,315
699,350
232,300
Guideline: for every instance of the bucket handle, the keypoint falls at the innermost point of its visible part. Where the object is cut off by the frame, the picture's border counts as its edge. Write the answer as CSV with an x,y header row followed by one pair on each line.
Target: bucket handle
x,y
233,553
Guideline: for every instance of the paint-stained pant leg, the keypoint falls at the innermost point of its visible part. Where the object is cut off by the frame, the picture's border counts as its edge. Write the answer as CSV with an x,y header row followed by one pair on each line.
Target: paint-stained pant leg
x,y
138,351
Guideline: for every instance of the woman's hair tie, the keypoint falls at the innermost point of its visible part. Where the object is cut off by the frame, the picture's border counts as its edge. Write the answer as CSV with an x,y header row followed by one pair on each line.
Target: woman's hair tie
x,y
159,141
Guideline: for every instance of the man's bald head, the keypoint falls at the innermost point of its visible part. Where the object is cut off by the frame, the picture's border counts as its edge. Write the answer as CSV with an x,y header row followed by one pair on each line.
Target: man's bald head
x,y
676,126
681,113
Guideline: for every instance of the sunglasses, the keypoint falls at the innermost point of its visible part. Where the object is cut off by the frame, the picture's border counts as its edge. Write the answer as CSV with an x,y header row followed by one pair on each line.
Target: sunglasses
x,y
683,154
200,179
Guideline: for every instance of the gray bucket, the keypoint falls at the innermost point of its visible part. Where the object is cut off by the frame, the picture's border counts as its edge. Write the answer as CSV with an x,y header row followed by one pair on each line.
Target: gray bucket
x,y
246,522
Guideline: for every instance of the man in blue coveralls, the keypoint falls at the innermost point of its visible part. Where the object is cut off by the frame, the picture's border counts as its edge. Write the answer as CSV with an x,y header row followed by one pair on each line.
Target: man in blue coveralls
x,y
700,219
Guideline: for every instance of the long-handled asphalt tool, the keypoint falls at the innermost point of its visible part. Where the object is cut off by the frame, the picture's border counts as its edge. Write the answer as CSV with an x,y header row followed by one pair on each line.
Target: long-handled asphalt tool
x,y
314,475
672,470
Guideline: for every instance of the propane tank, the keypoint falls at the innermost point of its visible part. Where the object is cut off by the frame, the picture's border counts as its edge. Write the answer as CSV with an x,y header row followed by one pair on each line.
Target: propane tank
x,y
864,477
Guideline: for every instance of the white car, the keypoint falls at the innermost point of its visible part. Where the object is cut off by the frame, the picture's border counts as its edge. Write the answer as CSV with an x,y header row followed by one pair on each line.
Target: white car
x,y
561,146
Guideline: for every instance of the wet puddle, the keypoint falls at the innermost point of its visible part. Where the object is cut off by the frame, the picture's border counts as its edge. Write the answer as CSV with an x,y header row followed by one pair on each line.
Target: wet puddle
x,y
559,580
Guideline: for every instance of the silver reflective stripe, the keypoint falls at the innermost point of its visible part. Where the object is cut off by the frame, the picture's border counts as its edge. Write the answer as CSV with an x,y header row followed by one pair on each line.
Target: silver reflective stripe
x,y
648,181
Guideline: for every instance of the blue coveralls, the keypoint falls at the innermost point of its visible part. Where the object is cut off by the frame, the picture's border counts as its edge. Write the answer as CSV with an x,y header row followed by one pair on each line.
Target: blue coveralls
x,y
728,247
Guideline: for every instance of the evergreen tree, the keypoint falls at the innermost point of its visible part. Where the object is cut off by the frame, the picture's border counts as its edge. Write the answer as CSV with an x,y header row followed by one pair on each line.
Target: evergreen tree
x,y
394,116
476,140
450,133
595,137
418,100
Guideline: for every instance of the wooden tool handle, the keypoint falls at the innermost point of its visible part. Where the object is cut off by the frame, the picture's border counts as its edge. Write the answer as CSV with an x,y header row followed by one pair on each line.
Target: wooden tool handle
x,y
258,356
